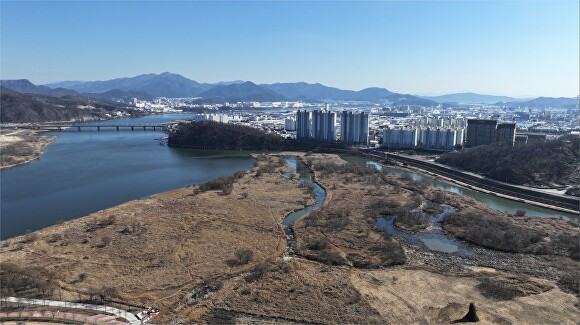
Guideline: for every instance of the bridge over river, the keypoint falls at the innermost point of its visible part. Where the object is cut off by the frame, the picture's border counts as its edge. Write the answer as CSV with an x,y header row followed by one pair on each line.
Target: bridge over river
x,y
98,127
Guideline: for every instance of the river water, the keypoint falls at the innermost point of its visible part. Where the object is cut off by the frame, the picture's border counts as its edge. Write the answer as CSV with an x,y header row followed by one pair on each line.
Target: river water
x,y
83,172
492,201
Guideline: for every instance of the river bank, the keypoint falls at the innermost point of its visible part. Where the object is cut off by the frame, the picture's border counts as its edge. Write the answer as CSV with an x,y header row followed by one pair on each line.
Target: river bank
x,y
22,146
214,253
528,195
449,180
156,250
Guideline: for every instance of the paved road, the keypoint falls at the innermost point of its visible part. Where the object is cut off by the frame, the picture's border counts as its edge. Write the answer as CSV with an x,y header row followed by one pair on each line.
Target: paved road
x,y
58,317
130,317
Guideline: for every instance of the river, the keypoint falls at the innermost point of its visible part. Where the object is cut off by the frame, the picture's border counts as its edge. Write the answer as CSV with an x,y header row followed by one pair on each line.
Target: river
x,y
83,172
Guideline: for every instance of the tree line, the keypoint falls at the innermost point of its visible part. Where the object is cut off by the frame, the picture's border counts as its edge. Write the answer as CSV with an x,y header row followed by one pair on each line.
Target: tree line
x,y
536,164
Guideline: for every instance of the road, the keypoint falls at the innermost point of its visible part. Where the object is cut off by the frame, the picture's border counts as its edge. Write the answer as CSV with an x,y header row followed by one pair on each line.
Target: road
x,y
130,317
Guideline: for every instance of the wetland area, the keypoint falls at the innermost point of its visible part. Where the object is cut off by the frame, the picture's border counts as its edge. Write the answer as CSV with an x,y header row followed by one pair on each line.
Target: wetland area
x,y
172,228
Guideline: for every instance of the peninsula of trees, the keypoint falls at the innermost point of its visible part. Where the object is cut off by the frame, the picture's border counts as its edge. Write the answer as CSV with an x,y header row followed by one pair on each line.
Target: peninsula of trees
x,y
214,135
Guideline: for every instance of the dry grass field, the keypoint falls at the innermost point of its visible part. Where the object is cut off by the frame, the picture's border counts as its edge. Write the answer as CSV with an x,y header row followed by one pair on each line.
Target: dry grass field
x,y
154,251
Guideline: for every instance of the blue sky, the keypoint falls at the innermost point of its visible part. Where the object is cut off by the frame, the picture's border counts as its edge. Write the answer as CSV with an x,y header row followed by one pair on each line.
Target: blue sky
x,y
516,48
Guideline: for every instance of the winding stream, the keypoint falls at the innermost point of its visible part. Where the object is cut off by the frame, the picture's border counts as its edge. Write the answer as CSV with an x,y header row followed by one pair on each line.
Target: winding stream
x,y
435,239
305,177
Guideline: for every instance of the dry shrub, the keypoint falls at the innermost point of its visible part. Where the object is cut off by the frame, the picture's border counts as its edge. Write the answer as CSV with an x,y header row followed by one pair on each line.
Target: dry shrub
x,y
411,221
241,257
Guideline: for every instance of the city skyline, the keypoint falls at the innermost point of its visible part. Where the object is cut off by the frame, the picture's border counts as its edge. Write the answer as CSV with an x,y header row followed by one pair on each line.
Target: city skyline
x,y
518,49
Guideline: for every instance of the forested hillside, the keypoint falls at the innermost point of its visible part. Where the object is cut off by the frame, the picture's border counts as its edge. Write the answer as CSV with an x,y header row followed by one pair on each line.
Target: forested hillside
x,y
223,136
546,164
31,108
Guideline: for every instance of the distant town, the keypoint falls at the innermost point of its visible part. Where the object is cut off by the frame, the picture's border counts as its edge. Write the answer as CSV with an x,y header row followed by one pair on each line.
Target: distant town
x,y
433,128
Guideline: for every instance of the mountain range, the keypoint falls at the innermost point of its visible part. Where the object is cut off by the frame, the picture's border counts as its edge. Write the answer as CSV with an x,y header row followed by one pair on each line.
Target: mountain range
x,y
25,86
541,102
174,85
147,86
33,107
240,92
470,98
157,85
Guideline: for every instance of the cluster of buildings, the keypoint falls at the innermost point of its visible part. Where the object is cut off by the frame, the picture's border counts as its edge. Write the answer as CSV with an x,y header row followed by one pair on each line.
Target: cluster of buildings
x,y
430,133
448,134
321,126
431,138
221,118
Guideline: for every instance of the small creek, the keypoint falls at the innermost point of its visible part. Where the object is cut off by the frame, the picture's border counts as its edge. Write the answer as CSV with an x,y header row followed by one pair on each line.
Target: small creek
x,y
305,177
433,240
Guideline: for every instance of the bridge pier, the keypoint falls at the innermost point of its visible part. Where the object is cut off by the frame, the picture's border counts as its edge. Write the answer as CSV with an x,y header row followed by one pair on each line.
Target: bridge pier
x,y
132,129
154,128
117,128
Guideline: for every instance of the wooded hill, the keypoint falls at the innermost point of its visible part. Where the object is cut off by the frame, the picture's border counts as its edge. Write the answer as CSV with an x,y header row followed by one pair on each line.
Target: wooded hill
x,y
548,164
32,108
213,135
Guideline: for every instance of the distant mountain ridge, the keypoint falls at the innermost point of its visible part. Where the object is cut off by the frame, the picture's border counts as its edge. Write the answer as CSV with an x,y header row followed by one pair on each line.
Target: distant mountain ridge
x,y
158,85
31,108
306,91
174,85
25,86
247,91
470,98
556,102
63,84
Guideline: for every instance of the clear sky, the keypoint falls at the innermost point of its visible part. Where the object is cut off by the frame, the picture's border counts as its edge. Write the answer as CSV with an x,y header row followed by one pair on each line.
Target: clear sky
x,y
515,48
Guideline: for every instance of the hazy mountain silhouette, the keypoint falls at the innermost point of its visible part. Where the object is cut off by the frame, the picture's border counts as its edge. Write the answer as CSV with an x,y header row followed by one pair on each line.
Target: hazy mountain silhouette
x,y
175,85
385,96
158,85
561,102
25,86
64,84
306,91
470,98
247,91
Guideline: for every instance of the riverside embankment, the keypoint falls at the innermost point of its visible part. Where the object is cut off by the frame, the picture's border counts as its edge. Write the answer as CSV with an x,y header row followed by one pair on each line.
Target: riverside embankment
x,y
565,203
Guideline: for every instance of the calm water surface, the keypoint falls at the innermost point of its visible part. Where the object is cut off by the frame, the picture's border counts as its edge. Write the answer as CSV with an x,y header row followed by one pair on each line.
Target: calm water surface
x,y
83,172
495,202
306,177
